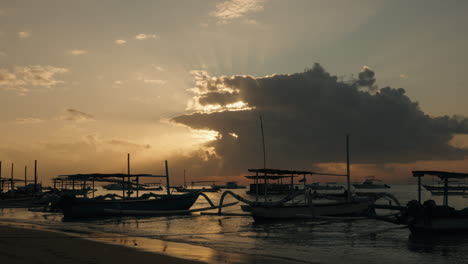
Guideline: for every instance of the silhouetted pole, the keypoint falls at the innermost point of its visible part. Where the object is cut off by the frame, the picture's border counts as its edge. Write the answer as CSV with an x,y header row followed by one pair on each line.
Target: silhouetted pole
x,y
185,183
167,179
419,189
264,158
35,175
347,169
446,191
128,173
25,177
12,185
1,182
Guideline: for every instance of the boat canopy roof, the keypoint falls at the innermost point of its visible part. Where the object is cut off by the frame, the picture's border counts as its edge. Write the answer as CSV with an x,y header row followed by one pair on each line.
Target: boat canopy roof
x,y
441,174
104,176
270,177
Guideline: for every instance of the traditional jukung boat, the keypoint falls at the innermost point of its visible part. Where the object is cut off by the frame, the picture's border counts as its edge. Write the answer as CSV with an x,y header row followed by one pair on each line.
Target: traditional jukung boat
x,y
305,206
369,183
109,205
431,218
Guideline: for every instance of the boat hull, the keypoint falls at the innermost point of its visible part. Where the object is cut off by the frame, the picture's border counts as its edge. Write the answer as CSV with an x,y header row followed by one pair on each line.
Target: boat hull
x,y
306,211
82,207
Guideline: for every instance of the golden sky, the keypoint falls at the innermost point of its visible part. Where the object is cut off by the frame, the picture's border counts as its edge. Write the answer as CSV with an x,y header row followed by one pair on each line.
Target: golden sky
x,y
83,83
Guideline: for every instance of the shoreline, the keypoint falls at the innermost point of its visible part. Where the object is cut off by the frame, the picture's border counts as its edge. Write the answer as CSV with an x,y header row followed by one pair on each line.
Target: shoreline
x,y
66,246
30,245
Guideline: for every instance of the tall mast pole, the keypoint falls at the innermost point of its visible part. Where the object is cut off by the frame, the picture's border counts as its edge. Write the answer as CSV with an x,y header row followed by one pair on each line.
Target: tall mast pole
x,y
1,182
185,183
12,185
35,175
263,142
128,174
25,176
348,175
168,187
264,158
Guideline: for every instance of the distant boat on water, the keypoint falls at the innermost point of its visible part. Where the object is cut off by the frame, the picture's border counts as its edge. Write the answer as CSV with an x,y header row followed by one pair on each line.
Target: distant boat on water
x,y
230,185
369,183
329,186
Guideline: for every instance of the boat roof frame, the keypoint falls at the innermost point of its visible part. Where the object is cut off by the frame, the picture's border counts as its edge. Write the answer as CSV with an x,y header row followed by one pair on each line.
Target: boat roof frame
x,y
441,174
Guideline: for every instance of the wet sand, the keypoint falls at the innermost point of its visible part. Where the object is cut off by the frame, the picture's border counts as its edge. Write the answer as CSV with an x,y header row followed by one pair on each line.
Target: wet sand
x,y
22,245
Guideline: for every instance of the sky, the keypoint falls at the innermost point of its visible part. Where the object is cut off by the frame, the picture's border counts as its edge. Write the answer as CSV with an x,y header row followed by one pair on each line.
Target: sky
x,y
83,83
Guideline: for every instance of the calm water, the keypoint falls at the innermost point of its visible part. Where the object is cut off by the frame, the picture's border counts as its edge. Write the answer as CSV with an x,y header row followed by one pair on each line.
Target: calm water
x,y
364,241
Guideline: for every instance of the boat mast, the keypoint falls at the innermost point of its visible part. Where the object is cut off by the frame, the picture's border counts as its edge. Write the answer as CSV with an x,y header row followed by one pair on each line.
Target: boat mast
x,y
446,191
25,177
35,175
348,176
185,183
12,185
128,173
264,158
167,180
1,182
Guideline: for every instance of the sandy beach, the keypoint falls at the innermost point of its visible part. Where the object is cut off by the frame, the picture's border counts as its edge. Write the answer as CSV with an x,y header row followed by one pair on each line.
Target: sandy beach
x,y
23,245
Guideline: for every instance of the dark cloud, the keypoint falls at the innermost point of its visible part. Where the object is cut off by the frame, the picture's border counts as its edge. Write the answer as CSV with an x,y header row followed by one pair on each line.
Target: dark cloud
x,y
366,78
306,116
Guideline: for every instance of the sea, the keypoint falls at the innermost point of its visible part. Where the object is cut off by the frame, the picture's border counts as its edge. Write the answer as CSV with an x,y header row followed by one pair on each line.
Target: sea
x,y
238,239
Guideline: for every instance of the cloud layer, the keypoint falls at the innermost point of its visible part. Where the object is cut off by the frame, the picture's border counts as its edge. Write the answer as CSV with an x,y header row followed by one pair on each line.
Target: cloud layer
x,y
24,77
232,9
306,116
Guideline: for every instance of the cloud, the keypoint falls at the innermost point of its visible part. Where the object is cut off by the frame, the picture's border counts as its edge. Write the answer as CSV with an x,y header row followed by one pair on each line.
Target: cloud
x,y
2,54
77,52
76,116
120,41
159,68
306,116
24,34
143,36
118,82
29,120
366,78
233,9
24,77
154,82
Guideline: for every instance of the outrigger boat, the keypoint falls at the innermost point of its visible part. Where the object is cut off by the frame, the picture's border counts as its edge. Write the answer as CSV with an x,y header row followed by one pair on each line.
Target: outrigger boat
x,y
428,217
304,206
432,218
369,183
109,205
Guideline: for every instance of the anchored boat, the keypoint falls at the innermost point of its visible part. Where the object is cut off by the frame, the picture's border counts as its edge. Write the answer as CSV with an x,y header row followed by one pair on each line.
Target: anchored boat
x,y
113,204
369,183
431,218
304,206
